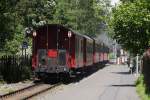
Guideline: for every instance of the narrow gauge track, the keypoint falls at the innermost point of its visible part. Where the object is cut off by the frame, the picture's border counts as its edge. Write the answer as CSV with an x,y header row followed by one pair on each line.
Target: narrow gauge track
x,y
28,92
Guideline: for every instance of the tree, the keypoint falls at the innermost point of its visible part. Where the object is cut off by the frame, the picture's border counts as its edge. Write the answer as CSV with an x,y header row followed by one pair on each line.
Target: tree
x,y
131,23
7,19
15,15
83,16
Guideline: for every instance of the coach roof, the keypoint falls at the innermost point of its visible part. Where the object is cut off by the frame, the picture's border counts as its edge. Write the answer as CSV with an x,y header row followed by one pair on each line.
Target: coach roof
x,y
65,28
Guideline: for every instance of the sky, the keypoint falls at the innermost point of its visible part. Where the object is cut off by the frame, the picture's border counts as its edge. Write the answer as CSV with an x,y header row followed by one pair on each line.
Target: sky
x,y
114,1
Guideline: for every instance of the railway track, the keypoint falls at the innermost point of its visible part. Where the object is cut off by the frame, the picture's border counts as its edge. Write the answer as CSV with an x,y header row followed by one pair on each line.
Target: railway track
x,y
28,92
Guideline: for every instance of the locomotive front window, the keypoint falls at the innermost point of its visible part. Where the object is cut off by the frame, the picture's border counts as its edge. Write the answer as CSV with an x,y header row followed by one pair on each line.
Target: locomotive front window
x,y
43,60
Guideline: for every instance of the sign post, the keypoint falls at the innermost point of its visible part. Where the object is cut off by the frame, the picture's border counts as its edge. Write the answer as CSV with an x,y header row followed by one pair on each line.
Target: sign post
x,y
24,47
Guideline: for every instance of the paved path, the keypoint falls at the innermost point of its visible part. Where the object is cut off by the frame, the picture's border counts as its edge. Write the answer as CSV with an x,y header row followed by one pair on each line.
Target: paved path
x,y
110,83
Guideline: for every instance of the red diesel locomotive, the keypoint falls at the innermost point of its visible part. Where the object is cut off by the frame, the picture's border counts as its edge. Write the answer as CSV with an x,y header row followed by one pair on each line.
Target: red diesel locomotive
x,y
57,49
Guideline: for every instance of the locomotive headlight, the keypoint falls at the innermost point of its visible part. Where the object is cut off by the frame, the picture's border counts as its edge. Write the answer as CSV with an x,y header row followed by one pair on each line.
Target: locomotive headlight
x,y
34,33
69,34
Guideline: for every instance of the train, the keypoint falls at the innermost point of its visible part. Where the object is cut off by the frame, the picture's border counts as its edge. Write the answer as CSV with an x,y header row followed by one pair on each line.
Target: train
x,y
60,50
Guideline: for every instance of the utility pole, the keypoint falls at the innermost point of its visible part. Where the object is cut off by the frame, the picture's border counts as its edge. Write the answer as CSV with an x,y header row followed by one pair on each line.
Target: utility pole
x,y
137,69
115,52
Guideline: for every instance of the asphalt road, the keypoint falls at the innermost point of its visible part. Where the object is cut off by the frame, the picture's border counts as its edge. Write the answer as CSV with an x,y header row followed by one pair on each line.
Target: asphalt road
x,y
114,82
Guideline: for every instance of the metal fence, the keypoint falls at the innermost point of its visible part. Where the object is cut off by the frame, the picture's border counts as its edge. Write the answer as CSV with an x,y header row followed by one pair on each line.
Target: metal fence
x,y
14,68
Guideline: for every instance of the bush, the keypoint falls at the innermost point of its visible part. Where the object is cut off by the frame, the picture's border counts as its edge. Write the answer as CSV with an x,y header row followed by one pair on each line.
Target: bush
x,y
141,89
15,68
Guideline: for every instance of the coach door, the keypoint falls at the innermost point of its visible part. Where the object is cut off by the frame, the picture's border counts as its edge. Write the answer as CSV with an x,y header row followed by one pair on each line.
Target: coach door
x,y
62,58
79,51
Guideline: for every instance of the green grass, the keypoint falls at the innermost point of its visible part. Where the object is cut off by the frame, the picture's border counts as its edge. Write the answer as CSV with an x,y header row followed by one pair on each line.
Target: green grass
x,y
140,88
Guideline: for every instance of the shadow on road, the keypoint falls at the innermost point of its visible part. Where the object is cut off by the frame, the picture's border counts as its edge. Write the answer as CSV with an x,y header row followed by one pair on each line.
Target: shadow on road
x,y
123,85
121,73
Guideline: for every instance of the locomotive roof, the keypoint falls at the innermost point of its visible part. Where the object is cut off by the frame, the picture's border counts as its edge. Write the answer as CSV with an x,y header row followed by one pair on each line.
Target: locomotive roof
x,y
63,27
88,37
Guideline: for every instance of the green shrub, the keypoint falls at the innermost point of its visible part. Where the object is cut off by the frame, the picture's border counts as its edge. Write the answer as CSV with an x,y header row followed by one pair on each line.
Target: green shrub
x,y
15,69
141,89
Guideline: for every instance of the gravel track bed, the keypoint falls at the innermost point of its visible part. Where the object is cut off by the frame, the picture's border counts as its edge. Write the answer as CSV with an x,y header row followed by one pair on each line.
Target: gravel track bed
x,y
7,88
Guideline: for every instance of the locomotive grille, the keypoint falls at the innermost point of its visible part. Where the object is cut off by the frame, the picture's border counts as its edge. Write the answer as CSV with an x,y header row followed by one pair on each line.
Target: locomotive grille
x,y
52,62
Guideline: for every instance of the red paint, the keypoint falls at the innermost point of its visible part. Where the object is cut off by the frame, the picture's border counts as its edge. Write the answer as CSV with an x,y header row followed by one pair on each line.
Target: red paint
x,y
105,56
52,53
33,62
70,61
101,57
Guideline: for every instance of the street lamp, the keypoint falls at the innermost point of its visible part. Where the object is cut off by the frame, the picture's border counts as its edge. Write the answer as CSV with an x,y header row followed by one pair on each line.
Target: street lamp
x,y
28,31
34,33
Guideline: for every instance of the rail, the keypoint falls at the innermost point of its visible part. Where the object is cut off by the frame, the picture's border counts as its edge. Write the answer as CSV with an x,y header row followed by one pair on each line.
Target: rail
x,y
28,92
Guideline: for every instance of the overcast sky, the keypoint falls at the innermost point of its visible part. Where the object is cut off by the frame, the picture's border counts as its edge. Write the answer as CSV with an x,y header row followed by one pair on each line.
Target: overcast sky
x,y
114,1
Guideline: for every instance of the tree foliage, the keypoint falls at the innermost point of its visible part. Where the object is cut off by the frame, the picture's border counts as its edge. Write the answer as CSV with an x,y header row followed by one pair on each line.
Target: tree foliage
x,y
131,21
83,16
